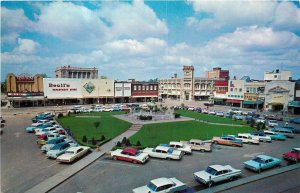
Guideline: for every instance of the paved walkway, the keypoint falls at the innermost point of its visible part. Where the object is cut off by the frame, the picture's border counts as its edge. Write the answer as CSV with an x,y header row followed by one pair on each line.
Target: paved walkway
x,y
136,121
212,123
73,169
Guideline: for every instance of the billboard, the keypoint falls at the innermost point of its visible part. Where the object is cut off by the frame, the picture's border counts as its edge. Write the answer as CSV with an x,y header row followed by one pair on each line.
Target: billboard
x,y
250,97
62,88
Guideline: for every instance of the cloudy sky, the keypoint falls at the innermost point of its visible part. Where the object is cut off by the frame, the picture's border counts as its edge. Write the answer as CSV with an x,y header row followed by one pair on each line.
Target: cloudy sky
x,y
151,39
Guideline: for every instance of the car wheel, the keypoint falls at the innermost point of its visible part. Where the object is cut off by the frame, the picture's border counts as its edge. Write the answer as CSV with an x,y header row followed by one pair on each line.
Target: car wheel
x,y
211,183
134,161
168,158
115,158
202,150
231,178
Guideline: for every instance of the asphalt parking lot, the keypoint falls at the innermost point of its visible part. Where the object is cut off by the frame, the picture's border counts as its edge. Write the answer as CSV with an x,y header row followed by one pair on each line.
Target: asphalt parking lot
x,y
110,176
23,165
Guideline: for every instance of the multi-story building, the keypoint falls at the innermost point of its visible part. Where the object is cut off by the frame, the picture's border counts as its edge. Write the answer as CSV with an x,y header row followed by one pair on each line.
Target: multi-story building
x,y
144,91
278,75
77,73
25,90
217,73
188,83
254,94
203,88
220,91
235,94
122,91
170,88
294,105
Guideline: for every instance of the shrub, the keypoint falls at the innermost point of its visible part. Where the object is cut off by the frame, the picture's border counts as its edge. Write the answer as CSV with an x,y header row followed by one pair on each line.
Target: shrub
x,y
119,144
177,115
124,140
93,141
97,124
138,143
127,143
102,138
84,139
69,113
145,117
60,115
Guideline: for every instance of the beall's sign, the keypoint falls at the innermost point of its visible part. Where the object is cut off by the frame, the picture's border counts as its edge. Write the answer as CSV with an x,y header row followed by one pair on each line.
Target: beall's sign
x,y
62,88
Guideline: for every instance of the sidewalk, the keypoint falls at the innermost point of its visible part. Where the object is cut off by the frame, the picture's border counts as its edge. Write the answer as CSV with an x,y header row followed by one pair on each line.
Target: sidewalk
x,y
73,169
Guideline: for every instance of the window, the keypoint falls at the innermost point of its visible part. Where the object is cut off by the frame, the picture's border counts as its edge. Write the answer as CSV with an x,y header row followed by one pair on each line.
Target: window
x,y
231,89
155,87
151,87
235,89
139,87
275,76
241,89
147,87
134,87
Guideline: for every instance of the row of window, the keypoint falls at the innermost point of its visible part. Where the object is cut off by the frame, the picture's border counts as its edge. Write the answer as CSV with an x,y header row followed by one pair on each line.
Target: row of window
x,y
236,96
144,87
236,89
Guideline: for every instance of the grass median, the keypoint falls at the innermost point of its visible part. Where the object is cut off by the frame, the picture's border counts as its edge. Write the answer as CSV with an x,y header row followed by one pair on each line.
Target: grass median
x,y
83,124
154,134
210,118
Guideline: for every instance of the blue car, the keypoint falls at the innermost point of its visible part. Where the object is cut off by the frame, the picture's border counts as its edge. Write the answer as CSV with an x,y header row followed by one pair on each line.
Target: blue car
x,y
274,135
31,129
295,130
262,162
58,149
295,120
41,116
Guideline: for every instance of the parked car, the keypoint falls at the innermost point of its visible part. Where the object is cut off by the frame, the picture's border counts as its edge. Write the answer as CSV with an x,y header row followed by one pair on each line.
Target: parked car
x,y
198,145
247,138
32,128
286,132
262,162
58,149
116,108
261,136
220,114
198,109
73,153
274,135
273,117
74,110
227,140
272,123
164,152
295,120
107,109
51,143
162,185
191,109
228,115
216,173
98,109
238,116
293,155
260,120
44,138
130,155
185,148
42,116
212,112
295,130
44,130
204,111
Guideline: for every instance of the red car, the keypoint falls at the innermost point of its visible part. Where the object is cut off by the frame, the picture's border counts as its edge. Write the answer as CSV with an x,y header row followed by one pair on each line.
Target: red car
x,y
293,155
61,132
130,155
273,117
43,137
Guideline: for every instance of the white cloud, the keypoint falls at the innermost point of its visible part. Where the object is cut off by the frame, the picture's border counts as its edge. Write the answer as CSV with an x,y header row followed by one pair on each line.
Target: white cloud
x,y
10,38
68,21
135,20
26,46
287,16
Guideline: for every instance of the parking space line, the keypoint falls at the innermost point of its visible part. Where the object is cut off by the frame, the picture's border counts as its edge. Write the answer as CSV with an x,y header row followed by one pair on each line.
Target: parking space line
x,y
52,164
122,164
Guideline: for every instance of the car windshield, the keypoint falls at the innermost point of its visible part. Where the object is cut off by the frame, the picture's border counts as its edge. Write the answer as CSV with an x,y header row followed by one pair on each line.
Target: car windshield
x,y
170,150
295,151
211,171
70,152
56,147
151,186
259,160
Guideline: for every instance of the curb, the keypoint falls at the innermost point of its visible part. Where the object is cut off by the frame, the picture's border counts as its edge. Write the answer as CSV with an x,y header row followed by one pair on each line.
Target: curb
x,y
250,179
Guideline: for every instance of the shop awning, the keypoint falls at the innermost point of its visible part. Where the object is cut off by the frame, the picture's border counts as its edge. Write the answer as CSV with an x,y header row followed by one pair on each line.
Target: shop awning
x,y
233,101
294,104
252,102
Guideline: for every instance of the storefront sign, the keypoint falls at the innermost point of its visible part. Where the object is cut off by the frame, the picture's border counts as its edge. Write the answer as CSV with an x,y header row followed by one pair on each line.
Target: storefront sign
x,y
62,88
25,94
250,97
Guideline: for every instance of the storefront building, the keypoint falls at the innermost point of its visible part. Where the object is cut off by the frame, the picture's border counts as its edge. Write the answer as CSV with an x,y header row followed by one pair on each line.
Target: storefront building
x,y
144,91
25,90
235,95
220,92
123,92
294,105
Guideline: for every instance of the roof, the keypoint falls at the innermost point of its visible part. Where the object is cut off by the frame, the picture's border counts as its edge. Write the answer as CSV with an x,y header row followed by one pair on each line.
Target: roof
x,y
196,140
297,148
176,143
217,167
132,151
161,181
264,157
162,148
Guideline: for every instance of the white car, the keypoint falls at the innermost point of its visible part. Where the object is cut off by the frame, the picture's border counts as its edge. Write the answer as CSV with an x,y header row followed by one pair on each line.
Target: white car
x,y
260,120
272,123
220,114
58,149
216,173
164,152
180,146
247,138
130,154
211,112
204,111
199,145
44,130
261,136
98,109
191,109
41,121
161,185
107,109
73,153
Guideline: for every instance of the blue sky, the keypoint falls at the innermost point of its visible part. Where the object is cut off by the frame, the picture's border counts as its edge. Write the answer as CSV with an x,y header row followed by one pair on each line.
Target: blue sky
x,y
150,39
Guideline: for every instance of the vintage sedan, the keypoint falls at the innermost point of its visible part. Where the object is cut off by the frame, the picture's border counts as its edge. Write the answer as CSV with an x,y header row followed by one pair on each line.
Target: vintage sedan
x,y
261,136
274,117
227,140
58,149
162,185
198,145
295,120
262,162
130,155
294,129
73,154
216,173
246,138
51,143
34,126
293,155
181,147
274,135
164,152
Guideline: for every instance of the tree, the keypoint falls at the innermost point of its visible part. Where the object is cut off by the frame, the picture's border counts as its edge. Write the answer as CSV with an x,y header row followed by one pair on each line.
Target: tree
x,y
97,124
119,144
4,87
127,143
124,140
102,138
93,141
84,139
138,143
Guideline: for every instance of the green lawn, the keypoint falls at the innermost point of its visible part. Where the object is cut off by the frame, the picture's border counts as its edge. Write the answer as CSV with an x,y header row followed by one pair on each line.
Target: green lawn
x,y
210,118
80,126
154,134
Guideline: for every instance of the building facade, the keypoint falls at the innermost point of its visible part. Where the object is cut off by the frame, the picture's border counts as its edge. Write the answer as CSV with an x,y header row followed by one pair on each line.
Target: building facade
x,y
122,92
25,90
217,73
188,86
144,91
76,73
294,105
278,75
